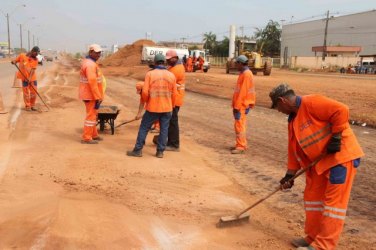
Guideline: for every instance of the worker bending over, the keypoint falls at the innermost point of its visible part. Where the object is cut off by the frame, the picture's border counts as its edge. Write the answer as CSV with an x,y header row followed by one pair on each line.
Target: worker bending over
x,y
28,64
319,126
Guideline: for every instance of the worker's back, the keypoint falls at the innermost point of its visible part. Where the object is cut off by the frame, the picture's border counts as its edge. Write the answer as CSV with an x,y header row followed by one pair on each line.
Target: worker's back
x,y
159,90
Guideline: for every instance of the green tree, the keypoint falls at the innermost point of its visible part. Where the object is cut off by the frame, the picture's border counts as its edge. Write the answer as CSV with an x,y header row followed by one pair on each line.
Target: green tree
x,y
269,39
210,41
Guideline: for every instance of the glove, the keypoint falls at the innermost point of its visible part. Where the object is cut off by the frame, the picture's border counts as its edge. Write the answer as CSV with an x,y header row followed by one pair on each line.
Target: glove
x,y
236,113
285,181
12,62
97,104
334,144
247,110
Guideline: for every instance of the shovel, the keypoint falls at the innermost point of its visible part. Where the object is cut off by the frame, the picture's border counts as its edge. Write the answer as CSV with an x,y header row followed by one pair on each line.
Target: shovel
x,y
126,122
243,216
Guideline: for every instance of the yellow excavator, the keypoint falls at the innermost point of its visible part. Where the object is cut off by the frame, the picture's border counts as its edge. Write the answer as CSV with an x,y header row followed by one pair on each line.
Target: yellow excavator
x,y
255,62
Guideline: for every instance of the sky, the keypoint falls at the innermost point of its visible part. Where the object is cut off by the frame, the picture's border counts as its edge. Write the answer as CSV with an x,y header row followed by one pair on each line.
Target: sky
x,y
72,25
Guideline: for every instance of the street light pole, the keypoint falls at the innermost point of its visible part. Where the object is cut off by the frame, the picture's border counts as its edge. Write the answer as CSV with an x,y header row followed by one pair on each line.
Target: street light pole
x,y
33,41
28,38
21,36
8,35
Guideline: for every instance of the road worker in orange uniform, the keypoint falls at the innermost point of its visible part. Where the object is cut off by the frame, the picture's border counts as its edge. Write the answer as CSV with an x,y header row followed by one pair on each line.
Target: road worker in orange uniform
x,y
189,64
318,125
201,62
175,67
28,64
243,100
158,93
91,93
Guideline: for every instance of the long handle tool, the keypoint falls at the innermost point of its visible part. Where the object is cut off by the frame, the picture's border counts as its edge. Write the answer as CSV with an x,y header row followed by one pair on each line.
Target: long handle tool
x,y
32,86
243,216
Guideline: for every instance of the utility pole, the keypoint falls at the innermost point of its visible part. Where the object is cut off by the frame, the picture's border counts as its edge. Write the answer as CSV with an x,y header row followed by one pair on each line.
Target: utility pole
x,y
8,35
21,36
325,36
242,29
28,38
33,40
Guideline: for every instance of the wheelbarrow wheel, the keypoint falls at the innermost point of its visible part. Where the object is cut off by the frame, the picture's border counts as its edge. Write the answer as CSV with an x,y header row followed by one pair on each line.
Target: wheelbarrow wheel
x,y
101,125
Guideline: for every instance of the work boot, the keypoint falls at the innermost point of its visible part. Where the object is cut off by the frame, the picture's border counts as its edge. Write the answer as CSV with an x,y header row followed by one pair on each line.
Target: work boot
x,y
34,109
299,242
237,151
159,154
134,153
172,148
306,248
27,109
155,139
89,142
98,138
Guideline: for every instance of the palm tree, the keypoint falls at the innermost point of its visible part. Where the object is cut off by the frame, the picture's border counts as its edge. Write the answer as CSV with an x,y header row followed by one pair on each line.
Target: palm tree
x,y
210,40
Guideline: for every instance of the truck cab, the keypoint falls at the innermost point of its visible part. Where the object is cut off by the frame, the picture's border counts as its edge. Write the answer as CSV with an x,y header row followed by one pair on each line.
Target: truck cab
x,y
197,53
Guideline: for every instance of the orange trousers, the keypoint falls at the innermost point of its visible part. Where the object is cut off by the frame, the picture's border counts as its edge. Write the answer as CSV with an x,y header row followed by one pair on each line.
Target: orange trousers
x,y
240,131
325,201
90,124
29,94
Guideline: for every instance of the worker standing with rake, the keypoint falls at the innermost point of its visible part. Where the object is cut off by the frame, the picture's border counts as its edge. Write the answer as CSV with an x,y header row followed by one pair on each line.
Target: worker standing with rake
x,y
27,66
319,127
91,93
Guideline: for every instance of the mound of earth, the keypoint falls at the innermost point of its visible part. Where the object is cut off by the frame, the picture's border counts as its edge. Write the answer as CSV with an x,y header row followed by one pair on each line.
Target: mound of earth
x,y
129,55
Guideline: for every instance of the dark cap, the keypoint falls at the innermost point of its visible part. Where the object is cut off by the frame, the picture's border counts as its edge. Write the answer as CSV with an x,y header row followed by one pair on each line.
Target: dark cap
x,y
35,49
159,58
279,91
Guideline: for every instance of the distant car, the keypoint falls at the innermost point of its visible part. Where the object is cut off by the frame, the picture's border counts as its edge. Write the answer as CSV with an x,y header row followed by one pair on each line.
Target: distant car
x,y
2,55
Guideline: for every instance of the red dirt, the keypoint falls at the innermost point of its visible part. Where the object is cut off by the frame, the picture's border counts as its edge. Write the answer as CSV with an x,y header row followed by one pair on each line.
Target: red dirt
x,y
129,55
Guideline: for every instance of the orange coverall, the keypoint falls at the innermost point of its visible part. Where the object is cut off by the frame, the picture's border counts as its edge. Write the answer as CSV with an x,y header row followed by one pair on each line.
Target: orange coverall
x,y
179,73
201,63
28,64
189,64
328,184
159,91
90,91
244,97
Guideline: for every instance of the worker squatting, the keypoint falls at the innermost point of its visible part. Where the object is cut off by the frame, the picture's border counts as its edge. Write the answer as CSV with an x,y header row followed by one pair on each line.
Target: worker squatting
x,y
318,128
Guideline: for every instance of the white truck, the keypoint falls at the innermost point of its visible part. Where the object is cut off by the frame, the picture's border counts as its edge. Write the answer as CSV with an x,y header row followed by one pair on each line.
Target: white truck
x,y
148,54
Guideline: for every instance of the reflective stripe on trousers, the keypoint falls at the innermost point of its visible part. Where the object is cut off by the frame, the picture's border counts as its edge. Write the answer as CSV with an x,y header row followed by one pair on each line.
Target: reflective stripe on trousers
x,y
240,127
90,123
325,205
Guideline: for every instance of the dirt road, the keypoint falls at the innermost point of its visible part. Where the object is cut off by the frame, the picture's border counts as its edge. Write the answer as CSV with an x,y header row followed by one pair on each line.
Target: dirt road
x,y
56,193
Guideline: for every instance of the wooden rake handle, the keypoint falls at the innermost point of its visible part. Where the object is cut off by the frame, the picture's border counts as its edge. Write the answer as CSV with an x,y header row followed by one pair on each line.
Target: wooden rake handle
x,y
300,172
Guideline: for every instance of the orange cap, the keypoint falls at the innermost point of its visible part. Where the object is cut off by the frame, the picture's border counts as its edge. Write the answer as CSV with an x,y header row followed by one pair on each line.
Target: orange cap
x,y
95,47
170,54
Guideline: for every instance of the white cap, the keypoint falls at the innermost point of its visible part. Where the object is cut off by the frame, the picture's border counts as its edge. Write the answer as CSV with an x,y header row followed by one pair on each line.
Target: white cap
x,y
95,47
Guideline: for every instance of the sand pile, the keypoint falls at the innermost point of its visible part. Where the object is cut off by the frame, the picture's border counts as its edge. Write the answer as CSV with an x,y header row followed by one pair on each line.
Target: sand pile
x,y
129,55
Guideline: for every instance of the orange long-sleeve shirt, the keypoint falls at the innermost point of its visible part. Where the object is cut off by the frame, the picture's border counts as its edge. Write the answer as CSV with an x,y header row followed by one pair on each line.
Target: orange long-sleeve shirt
x,y
311,128
159,91
90,81
26,64
179,72
244,92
